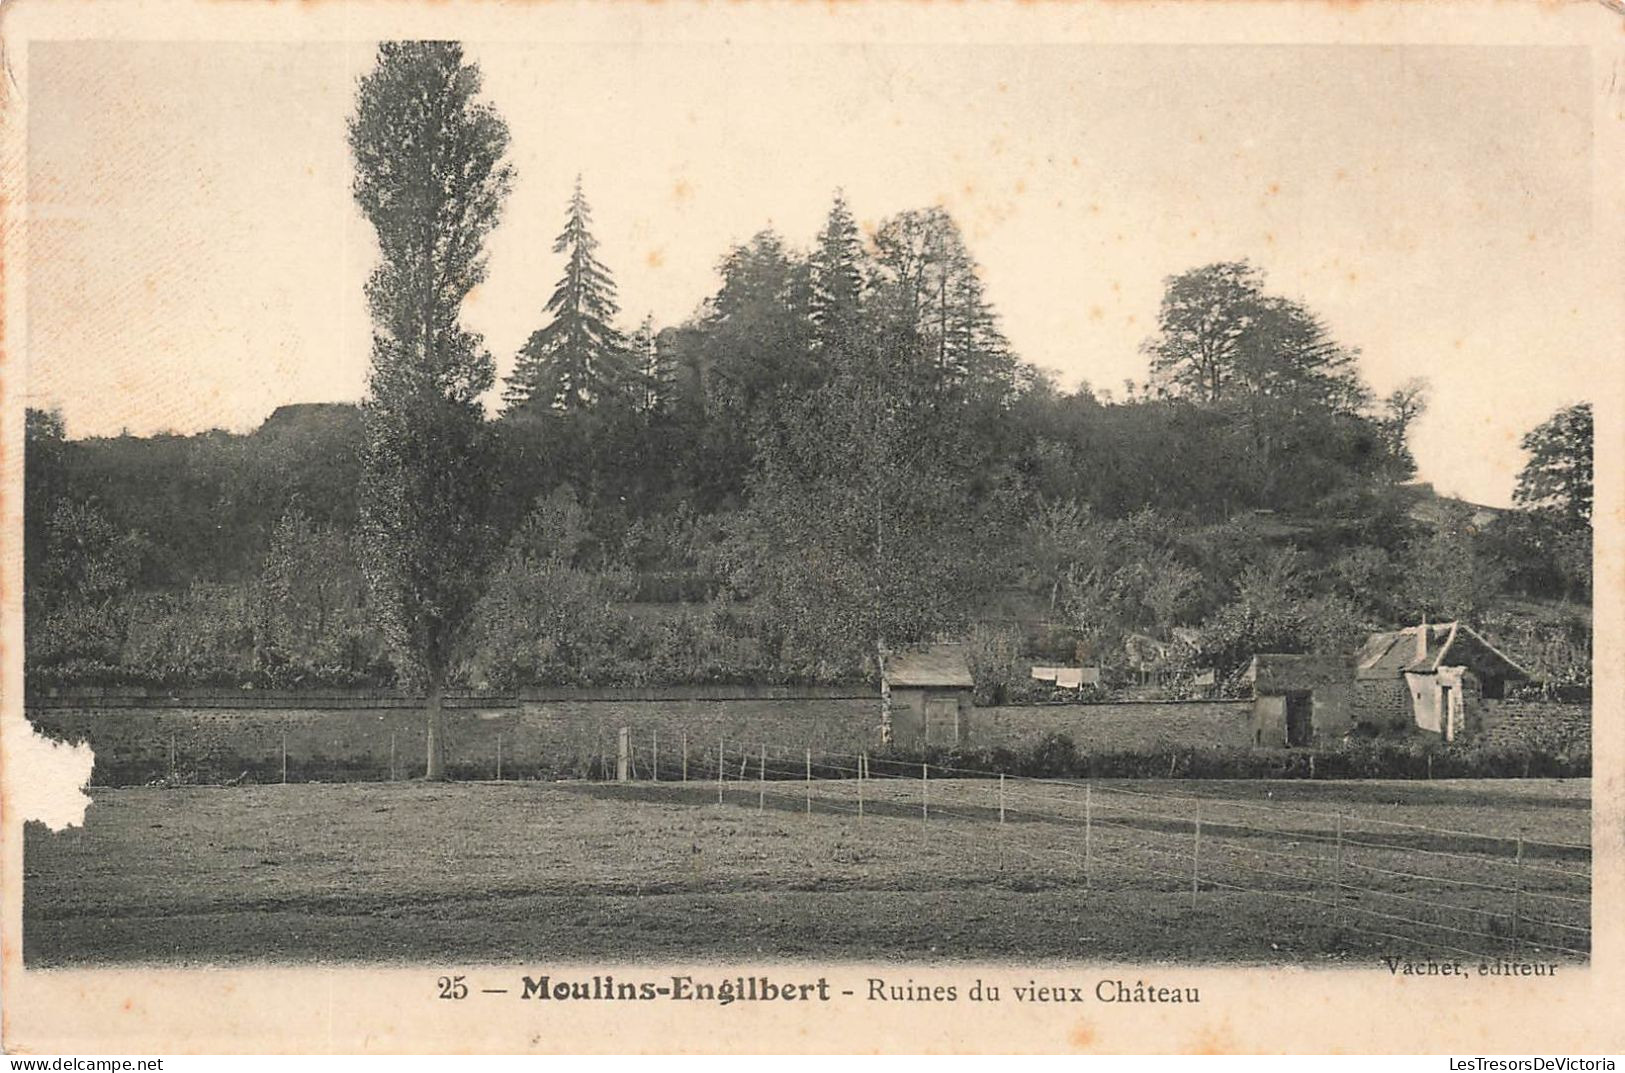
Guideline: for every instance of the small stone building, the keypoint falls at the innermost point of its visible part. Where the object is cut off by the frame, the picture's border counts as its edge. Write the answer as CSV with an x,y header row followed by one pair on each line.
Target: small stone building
x,y
1441,679
931,694
1300,700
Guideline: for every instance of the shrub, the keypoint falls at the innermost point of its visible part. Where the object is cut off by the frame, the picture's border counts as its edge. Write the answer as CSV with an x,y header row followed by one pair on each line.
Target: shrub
x,y
1056,756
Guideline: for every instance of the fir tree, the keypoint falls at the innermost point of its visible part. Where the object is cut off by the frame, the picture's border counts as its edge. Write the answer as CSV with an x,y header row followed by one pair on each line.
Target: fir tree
x,y
653,368
837,279
578,358
928,281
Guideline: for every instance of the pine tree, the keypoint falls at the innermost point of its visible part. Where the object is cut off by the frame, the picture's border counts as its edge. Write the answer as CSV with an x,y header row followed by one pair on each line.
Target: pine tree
x,y
578,358
653,369
930,284
758,325
837,280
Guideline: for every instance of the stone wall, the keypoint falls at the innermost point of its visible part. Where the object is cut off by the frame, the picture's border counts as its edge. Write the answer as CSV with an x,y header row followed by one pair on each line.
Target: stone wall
x,y
1119,727
1535,724
1383,703
550,739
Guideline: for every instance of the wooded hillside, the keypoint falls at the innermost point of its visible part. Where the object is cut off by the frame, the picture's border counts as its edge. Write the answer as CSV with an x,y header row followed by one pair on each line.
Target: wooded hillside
x,y
836,456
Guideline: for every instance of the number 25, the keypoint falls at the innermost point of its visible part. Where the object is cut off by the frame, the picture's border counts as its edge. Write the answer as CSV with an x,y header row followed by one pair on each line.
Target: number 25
x,y
452,987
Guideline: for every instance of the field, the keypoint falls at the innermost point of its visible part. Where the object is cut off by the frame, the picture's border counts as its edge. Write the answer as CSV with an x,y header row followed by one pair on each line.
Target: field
x,y
1283,872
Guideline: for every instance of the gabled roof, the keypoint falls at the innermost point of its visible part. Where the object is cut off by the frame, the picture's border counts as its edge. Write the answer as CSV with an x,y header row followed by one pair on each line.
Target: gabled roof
x,y
946,664
1424,649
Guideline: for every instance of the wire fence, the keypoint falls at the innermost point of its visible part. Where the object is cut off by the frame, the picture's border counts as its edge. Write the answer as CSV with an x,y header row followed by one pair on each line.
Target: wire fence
x,y
1362,879
1355,878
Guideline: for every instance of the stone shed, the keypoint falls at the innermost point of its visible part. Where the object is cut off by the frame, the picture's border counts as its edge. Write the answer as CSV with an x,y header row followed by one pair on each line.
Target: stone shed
x,y
931,694
1443,679
1299,699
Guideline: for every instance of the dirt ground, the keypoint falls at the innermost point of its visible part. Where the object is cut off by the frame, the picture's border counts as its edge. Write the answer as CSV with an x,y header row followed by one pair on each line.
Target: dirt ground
x,y
1281,872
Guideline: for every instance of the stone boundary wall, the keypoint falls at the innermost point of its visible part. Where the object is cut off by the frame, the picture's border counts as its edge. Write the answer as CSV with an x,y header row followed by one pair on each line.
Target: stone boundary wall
x,y
385,699
572,738
1121,726
1537,724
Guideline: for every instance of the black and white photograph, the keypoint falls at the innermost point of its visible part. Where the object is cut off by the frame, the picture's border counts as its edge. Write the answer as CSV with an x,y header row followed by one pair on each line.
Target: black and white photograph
x,y
650,499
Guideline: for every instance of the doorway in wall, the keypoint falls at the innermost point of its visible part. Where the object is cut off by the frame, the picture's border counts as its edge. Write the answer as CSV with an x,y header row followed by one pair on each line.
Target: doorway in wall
x,y
1299,717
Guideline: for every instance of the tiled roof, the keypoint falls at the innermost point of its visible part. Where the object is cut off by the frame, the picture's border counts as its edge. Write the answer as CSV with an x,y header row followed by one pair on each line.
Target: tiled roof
x,y
932,665
1446,643
1399,651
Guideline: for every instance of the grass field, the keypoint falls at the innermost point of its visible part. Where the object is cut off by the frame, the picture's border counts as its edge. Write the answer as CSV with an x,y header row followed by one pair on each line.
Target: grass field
x,y
602,872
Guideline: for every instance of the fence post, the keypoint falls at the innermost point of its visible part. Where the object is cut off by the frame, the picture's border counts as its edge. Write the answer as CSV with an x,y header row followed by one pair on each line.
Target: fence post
x,y
722,772
1088,832
1517,901
499,757
685,756
623,755
1337,872
1001,797
925,791
654,763
863,763
761,778
809,782
284,757
1196,855
391,756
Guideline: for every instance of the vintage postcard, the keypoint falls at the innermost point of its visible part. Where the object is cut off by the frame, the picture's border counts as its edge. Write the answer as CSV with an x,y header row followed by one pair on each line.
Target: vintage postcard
x,y
687,528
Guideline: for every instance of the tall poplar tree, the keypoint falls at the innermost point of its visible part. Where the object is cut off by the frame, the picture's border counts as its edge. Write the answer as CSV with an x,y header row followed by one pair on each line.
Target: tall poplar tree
x,y
578,358
430,176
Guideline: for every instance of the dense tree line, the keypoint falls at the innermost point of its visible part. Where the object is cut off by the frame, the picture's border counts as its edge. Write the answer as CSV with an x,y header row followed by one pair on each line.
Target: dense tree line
x,y
837,456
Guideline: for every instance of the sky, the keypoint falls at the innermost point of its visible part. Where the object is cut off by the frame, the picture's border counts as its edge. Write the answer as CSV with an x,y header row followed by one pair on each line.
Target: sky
x,y
195,258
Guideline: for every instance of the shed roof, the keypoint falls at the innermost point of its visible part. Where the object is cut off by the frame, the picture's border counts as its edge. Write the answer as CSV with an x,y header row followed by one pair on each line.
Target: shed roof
x,y
946,664
1279,672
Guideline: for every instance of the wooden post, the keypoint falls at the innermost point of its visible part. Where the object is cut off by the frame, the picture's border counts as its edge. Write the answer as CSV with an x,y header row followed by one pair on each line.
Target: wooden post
x,y
685,756
499,757
1088,831
654,764
761,779
1337,870
391,756
925,791
1001,797
623,755
721,771
284,757
1196,855
809,782
863,763
1517,900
